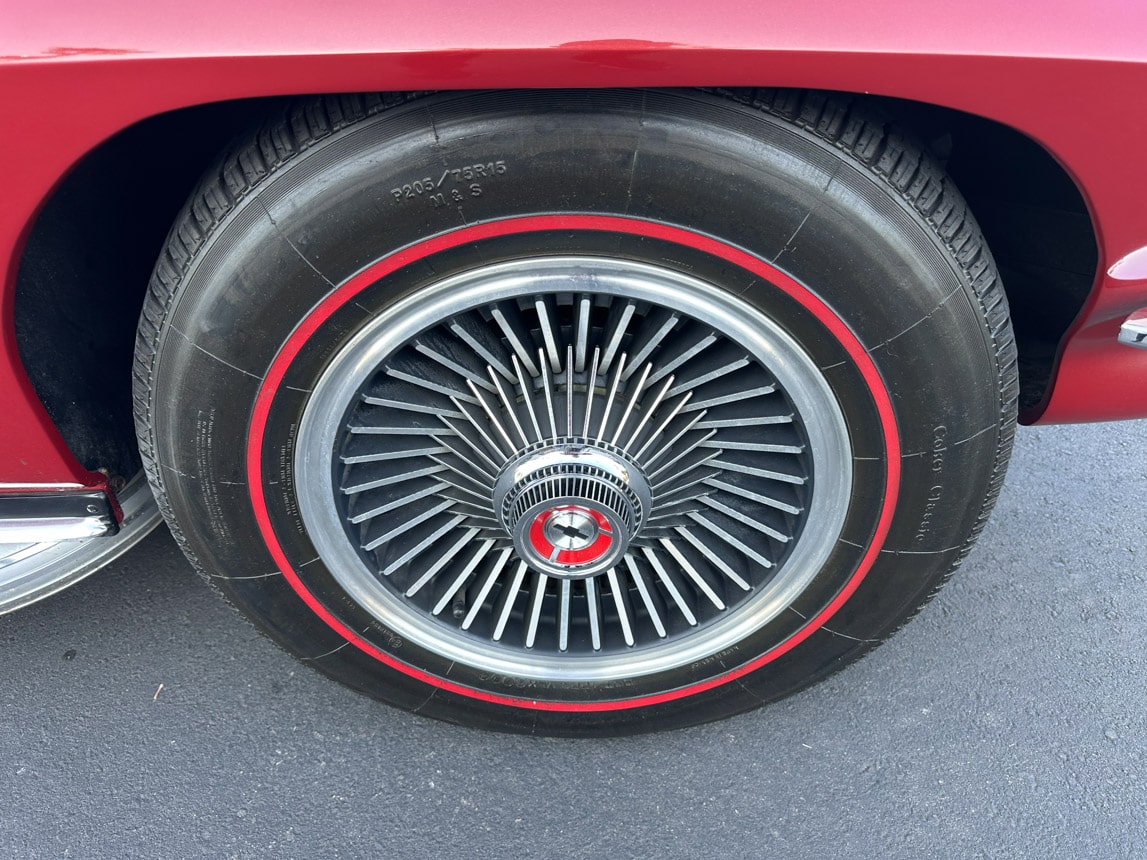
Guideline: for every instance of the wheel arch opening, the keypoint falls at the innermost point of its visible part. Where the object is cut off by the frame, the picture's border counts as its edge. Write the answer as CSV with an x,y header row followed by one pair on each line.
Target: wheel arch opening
x,y
85,267
1036,223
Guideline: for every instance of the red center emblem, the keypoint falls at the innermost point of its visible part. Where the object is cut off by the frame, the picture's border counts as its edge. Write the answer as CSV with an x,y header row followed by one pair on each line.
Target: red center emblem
x,y
571,535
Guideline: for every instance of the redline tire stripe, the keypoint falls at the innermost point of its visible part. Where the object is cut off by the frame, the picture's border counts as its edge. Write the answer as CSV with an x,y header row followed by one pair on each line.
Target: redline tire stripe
x,y
536,223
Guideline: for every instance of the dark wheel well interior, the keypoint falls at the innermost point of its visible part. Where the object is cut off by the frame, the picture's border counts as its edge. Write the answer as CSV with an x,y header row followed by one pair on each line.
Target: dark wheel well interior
x,y
1034,219
89,255
86,265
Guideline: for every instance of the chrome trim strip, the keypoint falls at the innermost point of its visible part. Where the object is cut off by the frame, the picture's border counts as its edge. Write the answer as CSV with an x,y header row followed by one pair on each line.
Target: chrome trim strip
x,y
31,571
42,517
1133,332
53,529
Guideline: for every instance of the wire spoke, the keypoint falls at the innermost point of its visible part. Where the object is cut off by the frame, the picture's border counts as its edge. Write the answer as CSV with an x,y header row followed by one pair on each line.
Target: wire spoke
x,y
407,406
394,479
399,502
768,474
670,586
692,573
527,395
593,609
544,307
456,585
482,434
741,518
510,330
407,525
656,336
613,343
750,421
447,556
658,435
564,615
538,597
620,604
646,596
714,558
667,367
611,397
751,496
477,340
548,388
735,397
476,450
590,390
732,541
482,487
511,597
649,411
705,378
399,454
510,411
423,545
452,365
484,591
494,422
569,392
633,397
671,463
581,342
360,430
452,393
757,447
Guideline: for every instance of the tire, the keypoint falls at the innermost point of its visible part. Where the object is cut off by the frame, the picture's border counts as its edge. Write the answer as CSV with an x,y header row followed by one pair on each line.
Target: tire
x,y
356,405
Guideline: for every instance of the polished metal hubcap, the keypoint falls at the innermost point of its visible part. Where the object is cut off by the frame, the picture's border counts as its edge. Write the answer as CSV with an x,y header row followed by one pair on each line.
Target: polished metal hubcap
x,y
573,468
572,507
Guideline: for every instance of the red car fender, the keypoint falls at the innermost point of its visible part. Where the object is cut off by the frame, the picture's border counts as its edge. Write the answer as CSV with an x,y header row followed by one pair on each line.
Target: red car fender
x,y
72,79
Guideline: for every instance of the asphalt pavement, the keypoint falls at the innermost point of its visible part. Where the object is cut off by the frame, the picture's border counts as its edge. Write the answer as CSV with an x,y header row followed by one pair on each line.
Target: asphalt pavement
x,y
141,717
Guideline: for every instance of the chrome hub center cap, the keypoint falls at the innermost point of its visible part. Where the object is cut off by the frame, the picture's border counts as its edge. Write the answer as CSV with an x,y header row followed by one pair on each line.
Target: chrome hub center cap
x,y
572,507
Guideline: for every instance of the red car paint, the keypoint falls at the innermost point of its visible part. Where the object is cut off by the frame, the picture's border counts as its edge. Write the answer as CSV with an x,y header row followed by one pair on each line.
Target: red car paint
x,y
1069,75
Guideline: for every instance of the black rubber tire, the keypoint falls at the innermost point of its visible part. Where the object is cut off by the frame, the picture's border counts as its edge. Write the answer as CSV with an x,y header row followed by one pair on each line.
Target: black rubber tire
x,y
816,185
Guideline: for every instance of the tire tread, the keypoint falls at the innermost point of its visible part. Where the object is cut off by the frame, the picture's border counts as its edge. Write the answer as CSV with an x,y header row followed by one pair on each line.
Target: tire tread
x,y
250,160
856,128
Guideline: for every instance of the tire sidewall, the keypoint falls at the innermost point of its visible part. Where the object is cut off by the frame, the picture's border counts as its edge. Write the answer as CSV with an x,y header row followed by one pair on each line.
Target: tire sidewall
x,y
760,185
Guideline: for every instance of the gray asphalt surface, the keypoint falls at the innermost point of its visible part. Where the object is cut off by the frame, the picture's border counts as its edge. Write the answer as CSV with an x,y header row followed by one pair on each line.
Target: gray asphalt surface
x,y
1009,720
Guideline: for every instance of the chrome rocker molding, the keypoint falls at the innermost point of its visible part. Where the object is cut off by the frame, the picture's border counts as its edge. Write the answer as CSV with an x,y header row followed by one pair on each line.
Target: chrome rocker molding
x,y
1133,332
40,517
49,542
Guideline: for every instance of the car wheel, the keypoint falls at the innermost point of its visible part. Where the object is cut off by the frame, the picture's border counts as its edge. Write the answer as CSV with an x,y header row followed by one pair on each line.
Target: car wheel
x,y
571,412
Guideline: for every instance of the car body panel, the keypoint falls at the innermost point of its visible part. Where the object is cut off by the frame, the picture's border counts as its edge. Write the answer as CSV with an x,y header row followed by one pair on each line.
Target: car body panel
x,y
73,79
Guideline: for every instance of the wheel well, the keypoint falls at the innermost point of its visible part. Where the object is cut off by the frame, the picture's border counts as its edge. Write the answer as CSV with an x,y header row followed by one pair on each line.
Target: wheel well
x,y
88,258
86,265
1034,219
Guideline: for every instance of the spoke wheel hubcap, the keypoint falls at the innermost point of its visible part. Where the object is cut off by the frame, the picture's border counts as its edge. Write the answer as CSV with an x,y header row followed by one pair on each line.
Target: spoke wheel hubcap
x,y
571,507
573,468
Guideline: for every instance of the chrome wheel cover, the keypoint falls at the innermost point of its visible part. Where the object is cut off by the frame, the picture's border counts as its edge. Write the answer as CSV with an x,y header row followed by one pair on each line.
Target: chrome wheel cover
x,y
575,469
